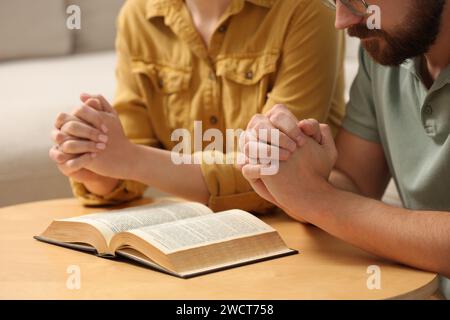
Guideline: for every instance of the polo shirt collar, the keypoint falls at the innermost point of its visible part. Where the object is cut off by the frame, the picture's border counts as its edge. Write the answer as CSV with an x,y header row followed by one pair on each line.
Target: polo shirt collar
x,y
413,66
443,79
445,74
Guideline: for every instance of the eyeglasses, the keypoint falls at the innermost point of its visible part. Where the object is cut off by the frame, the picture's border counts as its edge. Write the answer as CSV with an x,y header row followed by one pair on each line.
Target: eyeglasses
x,y
357,7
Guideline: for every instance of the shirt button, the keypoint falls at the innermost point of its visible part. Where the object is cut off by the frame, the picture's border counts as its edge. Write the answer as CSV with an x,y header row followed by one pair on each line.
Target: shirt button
x,y
249,75
213,120
222,29
428,110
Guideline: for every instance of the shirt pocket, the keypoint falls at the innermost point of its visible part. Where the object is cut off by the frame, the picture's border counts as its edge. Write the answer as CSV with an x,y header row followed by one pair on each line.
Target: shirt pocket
x,y
246,83
166,88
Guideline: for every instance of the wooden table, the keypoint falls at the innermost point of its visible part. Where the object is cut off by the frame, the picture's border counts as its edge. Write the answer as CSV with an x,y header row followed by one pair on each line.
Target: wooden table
x,y
327,268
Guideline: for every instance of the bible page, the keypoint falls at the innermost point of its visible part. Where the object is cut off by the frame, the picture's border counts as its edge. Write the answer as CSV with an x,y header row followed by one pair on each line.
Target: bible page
x,y
112,222
208,229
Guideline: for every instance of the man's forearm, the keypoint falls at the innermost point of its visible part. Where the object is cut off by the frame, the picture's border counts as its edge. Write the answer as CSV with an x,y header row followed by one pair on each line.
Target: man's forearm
x,y
341,181
417,238
155,167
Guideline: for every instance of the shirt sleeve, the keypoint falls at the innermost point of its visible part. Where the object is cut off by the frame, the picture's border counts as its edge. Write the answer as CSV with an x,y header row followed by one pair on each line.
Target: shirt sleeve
x,y
309,80
133,115
361,119
227,186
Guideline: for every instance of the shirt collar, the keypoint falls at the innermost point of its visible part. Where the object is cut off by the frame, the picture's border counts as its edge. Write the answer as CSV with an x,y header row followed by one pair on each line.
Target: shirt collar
x,y
443,79
413,65
445,74
160,8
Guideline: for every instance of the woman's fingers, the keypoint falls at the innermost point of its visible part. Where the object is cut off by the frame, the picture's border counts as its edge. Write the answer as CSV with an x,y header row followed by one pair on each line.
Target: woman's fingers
x,y
92,102
62,118
70,145
58,156
75,164
81,146
81,130
90,115
103,102
70,164
81,114
88,99
58,137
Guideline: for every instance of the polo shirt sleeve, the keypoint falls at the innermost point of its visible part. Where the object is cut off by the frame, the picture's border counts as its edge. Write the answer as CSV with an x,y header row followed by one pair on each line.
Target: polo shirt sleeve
x,y
361,118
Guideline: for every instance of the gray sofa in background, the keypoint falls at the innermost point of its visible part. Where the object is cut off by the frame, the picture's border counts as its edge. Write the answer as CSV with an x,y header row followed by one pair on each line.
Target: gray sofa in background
x,y
43,69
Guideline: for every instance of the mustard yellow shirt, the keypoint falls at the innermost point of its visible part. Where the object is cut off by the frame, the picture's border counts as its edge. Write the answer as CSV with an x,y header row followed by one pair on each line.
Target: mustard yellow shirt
x,y
263,52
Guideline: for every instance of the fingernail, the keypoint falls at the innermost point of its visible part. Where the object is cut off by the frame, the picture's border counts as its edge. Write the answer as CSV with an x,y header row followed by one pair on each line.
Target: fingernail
x,y
104,128
103,138
101,146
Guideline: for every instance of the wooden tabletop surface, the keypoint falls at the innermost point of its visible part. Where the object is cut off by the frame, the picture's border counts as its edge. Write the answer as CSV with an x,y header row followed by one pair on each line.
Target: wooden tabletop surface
x,y
326,268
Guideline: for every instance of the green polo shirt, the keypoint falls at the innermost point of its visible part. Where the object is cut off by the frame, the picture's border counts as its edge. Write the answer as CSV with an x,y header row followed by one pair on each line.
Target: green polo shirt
x,y
391,106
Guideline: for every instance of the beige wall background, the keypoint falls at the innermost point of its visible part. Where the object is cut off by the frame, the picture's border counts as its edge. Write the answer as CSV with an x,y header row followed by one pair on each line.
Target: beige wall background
x,y
37,28
44,67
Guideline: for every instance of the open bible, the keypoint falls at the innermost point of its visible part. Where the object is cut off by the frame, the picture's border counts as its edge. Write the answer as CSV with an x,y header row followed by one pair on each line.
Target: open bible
x,y
184,239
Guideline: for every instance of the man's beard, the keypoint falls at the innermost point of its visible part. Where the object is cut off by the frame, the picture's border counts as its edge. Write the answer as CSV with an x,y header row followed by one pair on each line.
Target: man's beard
x,y
420,30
